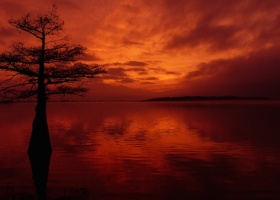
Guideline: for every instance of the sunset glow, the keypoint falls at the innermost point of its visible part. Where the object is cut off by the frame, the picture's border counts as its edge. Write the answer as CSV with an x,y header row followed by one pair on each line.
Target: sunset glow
x,y
167,48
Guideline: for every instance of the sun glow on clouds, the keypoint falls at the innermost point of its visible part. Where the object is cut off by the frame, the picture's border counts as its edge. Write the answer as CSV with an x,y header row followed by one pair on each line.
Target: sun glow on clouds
x,y
156,46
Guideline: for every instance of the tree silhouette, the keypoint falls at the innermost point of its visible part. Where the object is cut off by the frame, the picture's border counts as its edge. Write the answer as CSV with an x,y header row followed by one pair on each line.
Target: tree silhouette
x,y
48,66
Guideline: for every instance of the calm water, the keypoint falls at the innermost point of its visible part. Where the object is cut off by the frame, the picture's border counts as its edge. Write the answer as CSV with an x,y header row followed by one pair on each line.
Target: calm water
x,y
209,150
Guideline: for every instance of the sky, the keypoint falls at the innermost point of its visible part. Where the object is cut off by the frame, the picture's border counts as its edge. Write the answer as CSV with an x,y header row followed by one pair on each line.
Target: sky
x,y
168,47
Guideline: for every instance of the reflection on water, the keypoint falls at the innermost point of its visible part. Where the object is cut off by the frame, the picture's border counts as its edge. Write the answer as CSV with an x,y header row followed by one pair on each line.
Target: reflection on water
x,y
40,162
225,150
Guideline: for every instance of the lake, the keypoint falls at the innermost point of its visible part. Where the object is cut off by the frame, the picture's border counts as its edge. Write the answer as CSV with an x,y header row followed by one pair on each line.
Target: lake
x,y
147,150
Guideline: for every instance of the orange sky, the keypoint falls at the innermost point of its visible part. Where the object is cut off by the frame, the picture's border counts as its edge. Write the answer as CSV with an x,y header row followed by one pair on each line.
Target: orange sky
x,y
166,47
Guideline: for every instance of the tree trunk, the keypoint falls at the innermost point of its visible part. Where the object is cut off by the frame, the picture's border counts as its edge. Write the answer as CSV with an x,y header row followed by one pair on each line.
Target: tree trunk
x,y
40,138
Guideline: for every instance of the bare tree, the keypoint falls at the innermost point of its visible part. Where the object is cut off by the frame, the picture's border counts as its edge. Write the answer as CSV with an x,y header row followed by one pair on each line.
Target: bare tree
x,y
49,66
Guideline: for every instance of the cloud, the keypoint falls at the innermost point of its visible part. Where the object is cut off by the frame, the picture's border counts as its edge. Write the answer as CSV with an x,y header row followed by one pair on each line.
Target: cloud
x,y
215,44
136,63
218,37
206,69
6,35
219,25
150,78
103,91
126,80
9,8
161,70
147,82
135,76
127,42
137,69
119,75
130,63
256,74
115,73
142,68
89,57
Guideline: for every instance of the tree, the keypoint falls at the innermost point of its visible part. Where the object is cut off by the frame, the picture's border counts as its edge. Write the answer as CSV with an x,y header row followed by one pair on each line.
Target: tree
x,y
49,66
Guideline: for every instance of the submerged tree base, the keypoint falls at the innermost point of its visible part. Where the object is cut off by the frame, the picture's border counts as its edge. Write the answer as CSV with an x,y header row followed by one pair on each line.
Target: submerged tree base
x,y
40,137
39,143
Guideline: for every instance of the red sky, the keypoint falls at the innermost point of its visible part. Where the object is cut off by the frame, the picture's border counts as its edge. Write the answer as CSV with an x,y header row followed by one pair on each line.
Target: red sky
x,y
167,47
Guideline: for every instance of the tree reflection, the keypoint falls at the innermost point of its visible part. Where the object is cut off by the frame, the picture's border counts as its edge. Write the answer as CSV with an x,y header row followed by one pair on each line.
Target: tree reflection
x,y
40,162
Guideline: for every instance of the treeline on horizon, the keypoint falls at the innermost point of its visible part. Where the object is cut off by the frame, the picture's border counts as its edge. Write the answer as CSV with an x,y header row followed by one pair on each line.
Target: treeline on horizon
x,y
205,98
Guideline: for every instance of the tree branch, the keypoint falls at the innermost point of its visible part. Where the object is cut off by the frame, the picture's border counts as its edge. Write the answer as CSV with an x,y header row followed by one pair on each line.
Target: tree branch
x,y
9,79
78,70
63,53
27,25
14,95
64,90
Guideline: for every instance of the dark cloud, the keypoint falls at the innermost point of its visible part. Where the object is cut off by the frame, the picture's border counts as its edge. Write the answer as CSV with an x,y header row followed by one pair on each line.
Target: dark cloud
x,y
11,8
6,34
147,75
139,70
103,91
136,69
89,57
126,80
205,69
131,63
116,72
147,83
119,75
71,5
197,21
269,32
150,78
219,25
121,72
217,37
143,73
257,74
161,70
135,63
140,67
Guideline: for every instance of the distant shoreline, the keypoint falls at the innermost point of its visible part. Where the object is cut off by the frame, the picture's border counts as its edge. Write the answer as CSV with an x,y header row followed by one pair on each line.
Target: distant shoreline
x,y
161,99
206,98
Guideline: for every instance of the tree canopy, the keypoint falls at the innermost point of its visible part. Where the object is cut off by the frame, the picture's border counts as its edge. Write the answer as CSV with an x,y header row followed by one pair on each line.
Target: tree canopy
x,y
45,67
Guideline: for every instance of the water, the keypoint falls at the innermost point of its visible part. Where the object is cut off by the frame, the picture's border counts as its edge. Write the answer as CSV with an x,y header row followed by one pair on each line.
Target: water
x,y
172,150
